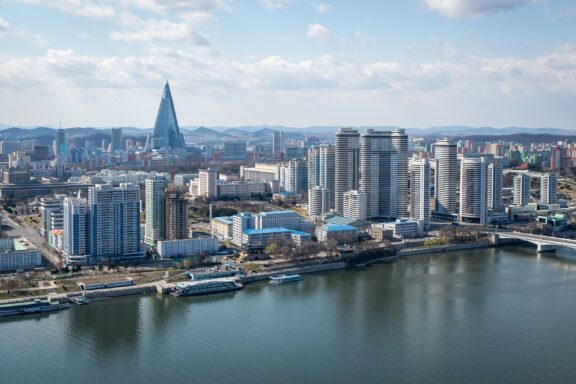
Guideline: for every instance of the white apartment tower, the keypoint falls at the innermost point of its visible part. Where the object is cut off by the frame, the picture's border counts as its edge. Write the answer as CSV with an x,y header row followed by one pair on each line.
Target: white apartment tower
x,y
548,187
347,165
400,144
420,193
318,199
474,189
207,183
321,170
521,189
445,176
76,242
155,189
355,205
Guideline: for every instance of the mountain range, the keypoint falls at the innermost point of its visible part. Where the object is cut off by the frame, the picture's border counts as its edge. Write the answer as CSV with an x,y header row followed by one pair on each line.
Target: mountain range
x,y
257,133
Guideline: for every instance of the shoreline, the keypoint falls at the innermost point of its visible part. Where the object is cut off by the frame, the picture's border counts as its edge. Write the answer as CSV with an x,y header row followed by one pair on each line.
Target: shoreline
x,y
348,262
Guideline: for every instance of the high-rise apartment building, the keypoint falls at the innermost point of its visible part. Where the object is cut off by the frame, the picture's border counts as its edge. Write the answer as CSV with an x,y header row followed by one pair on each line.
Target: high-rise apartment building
x,y
445,179
548,188
155,190
318,198
76,241
379,174
296,176
400,144
420,193
347,164
521,189
494,185
176,217
321,170
114,222
474,189
117,139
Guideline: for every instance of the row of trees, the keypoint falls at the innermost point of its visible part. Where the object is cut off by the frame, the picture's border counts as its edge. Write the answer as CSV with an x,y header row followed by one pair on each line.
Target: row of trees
x,y
285,248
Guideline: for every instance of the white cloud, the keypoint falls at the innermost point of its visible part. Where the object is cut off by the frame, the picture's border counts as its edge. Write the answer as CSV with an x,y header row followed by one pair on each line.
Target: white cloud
x,y
319,32
275,5
364,39
320,7
149,30
7,30
473,8
162,6
84,8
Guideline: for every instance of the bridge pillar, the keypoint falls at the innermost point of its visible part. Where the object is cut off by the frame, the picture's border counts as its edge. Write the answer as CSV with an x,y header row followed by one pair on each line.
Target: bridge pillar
x,y
545,248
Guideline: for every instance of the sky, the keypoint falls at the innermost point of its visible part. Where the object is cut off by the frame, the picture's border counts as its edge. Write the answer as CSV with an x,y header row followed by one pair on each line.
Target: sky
x,y
410,63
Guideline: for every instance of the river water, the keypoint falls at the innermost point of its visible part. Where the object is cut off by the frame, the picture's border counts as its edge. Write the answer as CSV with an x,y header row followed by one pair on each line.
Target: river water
x,y
488,316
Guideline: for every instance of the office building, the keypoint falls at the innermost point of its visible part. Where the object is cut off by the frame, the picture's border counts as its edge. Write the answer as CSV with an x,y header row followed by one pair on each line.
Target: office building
x,y
521,190
117,139
347,165
445,176
342,234
60,147
18,253
155,190
183,179
234,151
420,193
187,247
261,171
548,188
166,133
115,223
355,205
278,145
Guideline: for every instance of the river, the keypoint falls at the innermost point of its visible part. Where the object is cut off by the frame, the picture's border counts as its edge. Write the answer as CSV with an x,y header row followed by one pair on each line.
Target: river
x,y
498,315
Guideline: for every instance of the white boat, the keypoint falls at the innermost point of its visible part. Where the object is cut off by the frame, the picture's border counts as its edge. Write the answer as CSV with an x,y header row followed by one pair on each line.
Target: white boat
x,y
204,287
285,279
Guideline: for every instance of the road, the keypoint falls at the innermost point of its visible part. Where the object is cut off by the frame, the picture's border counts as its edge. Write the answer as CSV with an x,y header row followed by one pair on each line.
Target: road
x,y
12,228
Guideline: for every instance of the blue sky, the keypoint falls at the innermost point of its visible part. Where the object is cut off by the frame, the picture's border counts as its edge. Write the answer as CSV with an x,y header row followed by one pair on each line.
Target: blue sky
x,y
412,63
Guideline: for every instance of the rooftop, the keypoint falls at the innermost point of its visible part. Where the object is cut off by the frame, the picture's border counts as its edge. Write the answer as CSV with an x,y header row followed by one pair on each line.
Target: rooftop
x,y
336,227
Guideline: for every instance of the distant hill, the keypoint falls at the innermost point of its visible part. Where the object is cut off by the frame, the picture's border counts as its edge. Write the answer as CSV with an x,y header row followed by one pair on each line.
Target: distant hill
x,y
263,133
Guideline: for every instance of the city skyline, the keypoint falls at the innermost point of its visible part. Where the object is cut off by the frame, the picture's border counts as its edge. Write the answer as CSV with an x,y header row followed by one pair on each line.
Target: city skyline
x,y
101,63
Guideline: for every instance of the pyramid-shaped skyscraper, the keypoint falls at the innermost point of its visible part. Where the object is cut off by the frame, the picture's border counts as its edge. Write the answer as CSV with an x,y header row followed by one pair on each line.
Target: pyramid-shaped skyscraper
x,y
166,132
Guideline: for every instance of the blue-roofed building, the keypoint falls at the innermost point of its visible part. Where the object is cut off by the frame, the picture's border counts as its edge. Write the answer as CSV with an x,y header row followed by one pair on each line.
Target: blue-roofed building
x,y
255,238
343,234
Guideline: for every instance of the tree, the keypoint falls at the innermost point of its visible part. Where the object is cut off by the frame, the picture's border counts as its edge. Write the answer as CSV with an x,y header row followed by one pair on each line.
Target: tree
x,y
186,263
331,246
271,249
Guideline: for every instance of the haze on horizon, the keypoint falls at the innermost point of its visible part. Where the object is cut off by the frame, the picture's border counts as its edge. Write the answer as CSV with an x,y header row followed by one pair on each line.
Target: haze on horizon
x,y
416,63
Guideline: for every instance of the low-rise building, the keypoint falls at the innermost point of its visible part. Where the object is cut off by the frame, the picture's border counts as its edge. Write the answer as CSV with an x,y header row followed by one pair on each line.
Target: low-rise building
x,y
343,234
402,228
187,247
18,253
287,197
222,227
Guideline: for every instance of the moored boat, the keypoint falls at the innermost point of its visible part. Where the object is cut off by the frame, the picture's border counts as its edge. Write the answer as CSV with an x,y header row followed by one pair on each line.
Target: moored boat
x,y
282,279
31,306
204,287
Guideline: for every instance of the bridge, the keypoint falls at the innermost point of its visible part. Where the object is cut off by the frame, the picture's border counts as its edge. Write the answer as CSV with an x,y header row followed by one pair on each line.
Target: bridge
x,y
544,243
